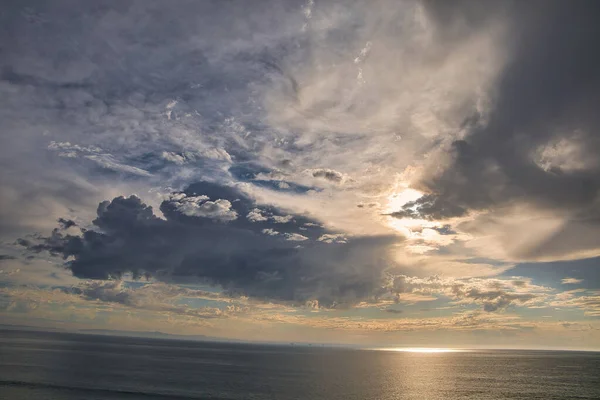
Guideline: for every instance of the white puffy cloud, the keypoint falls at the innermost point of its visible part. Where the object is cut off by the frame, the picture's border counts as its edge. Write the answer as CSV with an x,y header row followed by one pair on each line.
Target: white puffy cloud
x,y
282,219
333,238
295,237
173,157
270,232
201,206
256,216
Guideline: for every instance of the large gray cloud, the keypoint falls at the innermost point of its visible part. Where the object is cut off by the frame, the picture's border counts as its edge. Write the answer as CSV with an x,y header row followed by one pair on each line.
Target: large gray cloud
x,y
239,254
541,140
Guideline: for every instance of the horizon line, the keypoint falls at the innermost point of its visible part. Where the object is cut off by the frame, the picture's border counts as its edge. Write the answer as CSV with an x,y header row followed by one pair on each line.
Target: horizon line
x,y
350,346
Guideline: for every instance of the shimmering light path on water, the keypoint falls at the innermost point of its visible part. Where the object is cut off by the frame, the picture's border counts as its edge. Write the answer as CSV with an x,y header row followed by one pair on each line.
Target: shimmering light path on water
x,y
423,349
58,366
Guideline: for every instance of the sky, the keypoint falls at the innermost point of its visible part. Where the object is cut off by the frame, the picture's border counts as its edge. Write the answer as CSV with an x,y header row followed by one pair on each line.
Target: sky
x,y
382,172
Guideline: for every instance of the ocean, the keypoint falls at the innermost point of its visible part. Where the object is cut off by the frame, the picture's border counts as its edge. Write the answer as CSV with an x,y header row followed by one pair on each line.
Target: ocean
x,y
63,366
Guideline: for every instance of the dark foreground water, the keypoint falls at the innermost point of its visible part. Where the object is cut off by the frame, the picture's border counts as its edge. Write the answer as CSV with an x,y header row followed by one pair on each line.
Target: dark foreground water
x,y
37,365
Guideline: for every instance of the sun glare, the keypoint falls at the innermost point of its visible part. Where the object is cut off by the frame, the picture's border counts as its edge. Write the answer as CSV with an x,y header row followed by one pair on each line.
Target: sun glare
x,y
397,200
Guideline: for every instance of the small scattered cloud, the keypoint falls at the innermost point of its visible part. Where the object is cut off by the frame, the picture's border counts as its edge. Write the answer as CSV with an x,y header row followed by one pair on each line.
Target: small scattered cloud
x,y
175,158
333,238
282,219
258,215
255,215
327,174
570,281
202,206
66,223
490,293
295,237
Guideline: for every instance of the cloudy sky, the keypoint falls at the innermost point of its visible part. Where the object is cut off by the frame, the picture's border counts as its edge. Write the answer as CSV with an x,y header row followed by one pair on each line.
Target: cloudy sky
x,y
374,172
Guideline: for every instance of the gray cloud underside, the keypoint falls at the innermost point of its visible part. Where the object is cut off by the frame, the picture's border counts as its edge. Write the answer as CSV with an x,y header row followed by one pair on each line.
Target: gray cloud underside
x,y
239,255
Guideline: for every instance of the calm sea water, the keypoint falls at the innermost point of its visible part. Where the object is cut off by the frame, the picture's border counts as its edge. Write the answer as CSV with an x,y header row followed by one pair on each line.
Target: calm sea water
x,y
63,366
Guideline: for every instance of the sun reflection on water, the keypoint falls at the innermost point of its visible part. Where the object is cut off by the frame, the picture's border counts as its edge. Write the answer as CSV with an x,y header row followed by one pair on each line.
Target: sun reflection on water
x,y
423,349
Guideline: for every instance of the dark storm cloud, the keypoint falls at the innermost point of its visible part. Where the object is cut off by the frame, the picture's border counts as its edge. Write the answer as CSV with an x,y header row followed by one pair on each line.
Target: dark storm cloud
x,y
542,137
235,254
